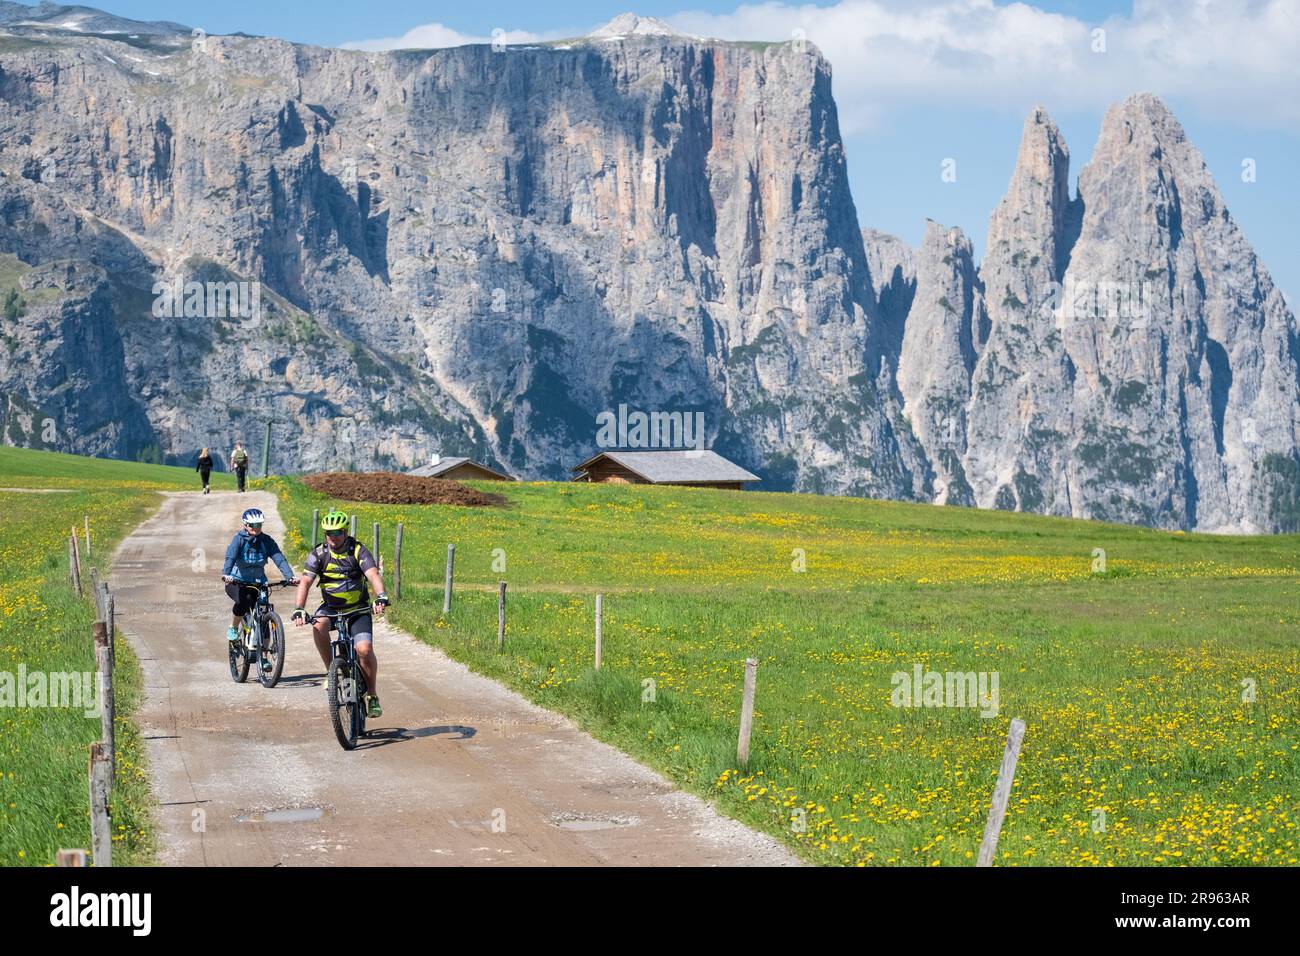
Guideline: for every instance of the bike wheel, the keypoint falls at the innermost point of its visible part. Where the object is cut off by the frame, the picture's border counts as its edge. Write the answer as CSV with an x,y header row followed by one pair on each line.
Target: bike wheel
x,y
238,661
338,687
272,650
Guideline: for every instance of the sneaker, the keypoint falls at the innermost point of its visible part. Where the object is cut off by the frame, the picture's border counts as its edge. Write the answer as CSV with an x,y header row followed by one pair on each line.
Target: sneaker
x,y
372,706
232,635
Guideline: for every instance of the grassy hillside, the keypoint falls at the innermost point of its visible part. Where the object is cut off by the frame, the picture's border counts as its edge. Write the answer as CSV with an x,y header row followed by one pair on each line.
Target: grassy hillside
x,y
45,627
24,468
1141,748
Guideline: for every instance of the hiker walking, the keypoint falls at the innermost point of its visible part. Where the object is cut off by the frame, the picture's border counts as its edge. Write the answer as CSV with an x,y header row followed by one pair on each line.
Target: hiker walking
x,y
204,468
239,458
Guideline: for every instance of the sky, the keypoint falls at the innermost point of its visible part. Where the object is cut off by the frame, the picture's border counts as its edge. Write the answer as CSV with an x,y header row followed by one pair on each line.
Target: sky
x,y
920,82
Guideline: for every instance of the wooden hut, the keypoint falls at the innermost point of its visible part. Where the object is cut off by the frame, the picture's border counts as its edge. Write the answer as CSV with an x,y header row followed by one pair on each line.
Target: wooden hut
x,y
459,469
704,469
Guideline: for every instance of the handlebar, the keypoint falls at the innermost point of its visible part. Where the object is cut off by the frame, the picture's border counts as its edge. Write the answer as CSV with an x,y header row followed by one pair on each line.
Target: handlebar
x,y
264,584
335,615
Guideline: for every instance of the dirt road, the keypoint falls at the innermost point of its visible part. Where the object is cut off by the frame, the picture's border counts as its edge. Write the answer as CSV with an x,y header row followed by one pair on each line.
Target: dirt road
x,y
460,771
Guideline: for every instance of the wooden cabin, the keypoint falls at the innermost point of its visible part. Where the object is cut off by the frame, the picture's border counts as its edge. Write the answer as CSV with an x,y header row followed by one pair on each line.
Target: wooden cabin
x,y
459,469
699,468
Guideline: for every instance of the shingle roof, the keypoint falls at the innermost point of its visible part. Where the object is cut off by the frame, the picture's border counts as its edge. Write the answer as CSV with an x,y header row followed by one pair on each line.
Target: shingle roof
x,y
434,469
675,467
444,465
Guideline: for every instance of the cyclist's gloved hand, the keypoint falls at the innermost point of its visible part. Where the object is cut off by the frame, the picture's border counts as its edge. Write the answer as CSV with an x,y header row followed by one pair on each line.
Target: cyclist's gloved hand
x,y
299,616
381,602
227,579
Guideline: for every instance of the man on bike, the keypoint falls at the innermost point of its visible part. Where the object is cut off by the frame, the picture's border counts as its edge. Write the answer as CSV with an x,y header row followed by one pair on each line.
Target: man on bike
x,y
245,559
344,565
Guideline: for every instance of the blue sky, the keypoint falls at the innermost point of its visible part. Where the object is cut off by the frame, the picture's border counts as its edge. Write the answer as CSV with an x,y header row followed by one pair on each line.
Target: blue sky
x,y
919,82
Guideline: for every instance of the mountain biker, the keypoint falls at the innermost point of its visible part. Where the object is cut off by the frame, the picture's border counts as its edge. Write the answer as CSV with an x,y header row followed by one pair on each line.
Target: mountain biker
x,y
344,565
239,460
246,556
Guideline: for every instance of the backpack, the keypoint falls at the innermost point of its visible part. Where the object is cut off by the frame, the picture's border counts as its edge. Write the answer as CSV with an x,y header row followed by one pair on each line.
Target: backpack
x,y
240,458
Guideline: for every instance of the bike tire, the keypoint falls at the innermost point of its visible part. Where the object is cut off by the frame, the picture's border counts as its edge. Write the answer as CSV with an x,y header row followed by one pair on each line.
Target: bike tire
x,y
272,650
362,691
342,713
238,661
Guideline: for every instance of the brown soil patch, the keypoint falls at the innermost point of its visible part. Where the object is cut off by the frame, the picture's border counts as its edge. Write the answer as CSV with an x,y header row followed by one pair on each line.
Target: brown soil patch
x,y
390,488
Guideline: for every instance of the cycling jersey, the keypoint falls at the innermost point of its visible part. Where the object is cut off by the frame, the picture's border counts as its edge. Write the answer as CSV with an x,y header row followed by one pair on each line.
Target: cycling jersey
x,y
342,573
247,556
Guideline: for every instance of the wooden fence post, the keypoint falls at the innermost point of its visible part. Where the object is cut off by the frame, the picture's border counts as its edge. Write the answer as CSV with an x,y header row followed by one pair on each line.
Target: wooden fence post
x,y
501,617
74,562
95,592
375,549
353,532
446,588
397,562
599,609
101,830
747,710
86,520
70,858
101,601
104,664
315,526
110,609
1001,793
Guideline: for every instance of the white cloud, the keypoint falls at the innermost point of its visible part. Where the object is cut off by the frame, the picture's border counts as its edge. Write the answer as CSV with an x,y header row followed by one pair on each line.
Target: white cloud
x,y
437,36
1232,58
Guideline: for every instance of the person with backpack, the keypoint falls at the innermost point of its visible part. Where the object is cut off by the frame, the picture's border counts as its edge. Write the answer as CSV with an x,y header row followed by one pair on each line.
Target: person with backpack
x,y
344,565
204,468
239,460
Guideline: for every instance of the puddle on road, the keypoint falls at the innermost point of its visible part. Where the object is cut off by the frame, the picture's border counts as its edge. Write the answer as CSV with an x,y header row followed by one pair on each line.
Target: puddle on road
x,y
288,815
594,823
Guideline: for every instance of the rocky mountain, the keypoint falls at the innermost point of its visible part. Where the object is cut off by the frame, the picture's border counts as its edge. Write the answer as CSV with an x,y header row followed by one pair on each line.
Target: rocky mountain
x,y
1138,365
442,236
943,332
477,250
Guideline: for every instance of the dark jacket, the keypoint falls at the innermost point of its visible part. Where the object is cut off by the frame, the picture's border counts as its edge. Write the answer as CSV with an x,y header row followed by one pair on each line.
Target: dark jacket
x,y
205,464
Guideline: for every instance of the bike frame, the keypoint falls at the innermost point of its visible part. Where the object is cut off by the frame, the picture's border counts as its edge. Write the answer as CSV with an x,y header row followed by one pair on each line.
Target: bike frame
x,y
256,618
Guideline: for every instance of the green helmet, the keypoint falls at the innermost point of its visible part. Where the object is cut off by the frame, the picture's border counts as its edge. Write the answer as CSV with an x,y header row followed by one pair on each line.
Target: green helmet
x,y
334,521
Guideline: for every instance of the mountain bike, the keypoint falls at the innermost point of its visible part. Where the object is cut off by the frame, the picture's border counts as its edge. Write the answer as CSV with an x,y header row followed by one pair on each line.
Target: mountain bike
x,y
345,683
261,639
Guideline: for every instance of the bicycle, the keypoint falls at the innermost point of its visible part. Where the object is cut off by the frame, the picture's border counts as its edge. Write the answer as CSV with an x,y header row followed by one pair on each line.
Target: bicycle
x,y
261,638
345,682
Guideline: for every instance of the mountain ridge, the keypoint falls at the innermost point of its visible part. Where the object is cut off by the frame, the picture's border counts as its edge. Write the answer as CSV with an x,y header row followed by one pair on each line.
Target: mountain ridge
x,y
438,251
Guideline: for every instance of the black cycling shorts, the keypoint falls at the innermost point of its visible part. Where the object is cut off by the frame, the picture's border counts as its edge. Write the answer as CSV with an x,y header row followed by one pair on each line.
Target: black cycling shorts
x,y
244,596
360,626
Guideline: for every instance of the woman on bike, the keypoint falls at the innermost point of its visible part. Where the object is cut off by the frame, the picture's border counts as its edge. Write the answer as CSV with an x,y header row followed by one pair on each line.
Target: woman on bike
x,y
245,559
344,565
204,468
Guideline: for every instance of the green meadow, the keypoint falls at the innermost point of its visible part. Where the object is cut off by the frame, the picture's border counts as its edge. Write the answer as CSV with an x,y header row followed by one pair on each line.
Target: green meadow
x,y
1157,672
